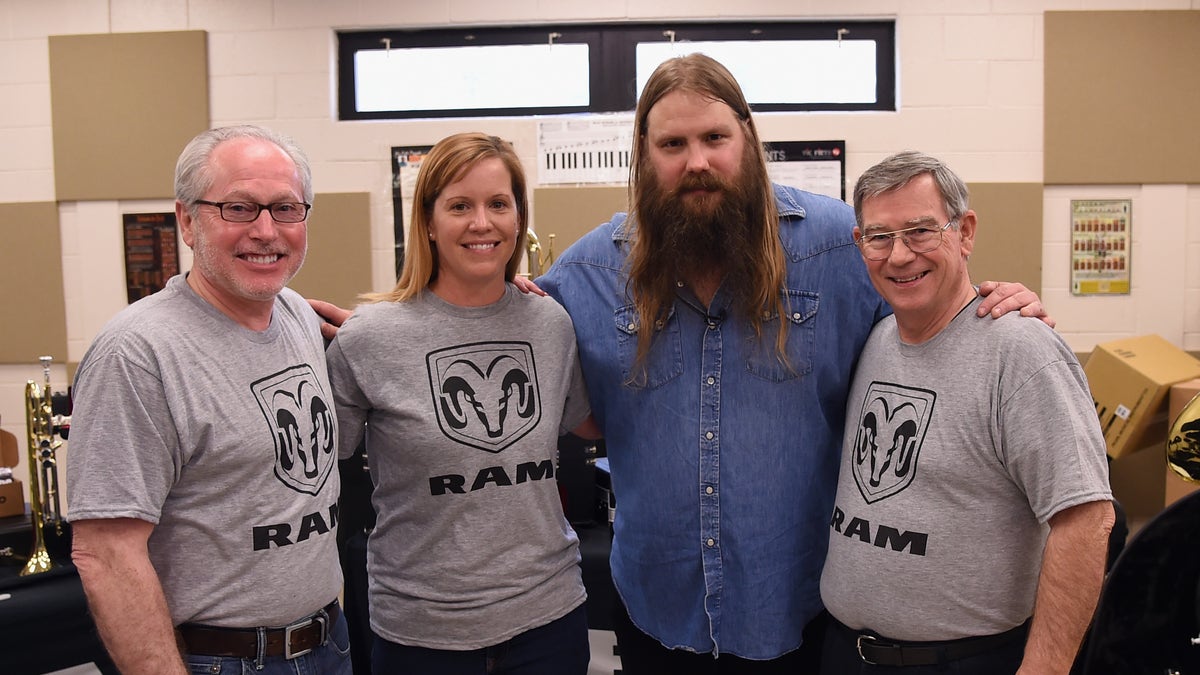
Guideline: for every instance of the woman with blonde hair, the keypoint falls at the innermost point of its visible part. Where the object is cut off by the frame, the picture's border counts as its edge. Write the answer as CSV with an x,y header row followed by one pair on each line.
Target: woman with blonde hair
x,y
462,385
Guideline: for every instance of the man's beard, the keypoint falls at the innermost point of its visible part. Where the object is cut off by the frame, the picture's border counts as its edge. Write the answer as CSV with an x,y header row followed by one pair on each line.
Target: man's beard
x,y
698,235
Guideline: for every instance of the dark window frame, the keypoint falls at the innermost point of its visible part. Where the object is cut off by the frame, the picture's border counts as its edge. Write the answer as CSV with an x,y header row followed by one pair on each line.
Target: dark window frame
x,y
612,67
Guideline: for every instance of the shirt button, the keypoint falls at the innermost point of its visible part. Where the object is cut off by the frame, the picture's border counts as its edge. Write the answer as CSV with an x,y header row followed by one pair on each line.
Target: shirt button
x,y
631,327
711,379
711,542
796,316
708,490
709,435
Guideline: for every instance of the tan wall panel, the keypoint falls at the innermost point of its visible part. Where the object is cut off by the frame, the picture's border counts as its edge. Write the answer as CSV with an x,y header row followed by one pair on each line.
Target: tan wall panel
x,y
338,265
1121,94
31,276
1008,243
570,213
122,106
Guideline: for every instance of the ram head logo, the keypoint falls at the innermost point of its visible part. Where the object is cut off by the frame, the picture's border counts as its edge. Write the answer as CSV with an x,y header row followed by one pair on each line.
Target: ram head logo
x,y
298,411
891,428
486,394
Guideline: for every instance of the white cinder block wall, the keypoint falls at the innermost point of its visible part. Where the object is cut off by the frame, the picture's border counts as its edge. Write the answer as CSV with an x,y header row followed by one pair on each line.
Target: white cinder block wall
x,y
970,78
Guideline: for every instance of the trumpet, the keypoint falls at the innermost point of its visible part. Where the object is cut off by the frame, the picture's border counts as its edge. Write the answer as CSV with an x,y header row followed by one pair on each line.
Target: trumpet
x,y
44,503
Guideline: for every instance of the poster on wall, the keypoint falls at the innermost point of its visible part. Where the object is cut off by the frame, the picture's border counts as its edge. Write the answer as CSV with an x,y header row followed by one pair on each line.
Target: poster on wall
x,y
1101,246
584,150
406,162
151,253
815,166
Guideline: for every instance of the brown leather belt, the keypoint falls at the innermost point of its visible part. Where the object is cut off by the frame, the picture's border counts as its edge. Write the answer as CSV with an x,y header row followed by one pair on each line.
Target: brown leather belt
x,y
291,641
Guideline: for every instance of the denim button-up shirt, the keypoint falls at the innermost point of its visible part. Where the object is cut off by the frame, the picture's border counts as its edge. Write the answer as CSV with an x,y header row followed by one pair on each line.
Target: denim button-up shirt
x,y
724,460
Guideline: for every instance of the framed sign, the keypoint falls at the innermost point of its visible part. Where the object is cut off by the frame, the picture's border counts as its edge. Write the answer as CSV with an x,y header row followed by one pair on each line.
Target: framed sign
x,y
151,253
815,166
1101,246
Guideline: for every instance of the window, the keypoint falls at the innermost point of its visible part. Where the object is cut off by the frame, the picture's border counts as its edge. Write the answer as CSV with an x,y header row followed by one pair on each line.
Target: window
x,y
602,68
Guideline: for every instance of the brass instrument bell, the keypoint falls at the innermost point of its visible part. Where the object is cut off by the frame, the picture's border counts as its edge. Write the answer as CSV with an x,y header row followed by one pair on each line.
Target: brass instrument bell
x,y
1183,442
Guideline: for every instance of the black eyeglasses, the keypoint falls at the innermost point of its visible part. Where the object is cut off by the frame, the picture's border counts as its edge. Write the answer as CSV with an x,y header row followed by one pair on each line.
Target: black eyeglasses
x,y
247,212
919,239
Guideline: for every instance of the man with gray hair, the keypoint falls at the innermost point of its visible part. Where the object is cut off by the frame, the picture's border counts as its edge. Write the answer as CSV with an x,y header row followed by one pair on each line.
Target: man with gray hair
x,y
972,512
202,467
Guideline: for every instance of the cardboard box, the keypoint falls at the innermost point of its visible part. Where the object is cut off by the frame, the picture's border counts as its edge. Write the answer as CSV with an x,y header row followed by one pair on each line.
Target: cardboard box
x,y
1137,482
1141,480
1129,380
12,496
1179,396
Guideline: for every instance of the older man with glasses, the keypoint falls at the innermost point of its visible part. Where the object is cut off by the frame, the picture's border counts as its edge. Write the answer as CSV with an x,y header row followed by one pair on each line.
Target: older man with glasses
x,y
973,492
202,468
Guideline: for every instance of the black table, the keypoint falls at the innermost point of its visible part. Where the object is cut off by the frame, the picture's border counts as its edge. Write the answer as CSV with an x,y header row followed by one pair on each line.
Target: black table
x,y
44,620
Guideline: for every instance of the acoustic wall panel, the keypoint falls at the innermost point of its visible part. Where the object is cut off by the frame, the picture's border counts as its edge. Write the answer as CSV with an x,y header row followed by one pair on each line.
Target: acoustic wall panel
x,y
1008,242
122,107
338,265
31,276
1121,94
570,213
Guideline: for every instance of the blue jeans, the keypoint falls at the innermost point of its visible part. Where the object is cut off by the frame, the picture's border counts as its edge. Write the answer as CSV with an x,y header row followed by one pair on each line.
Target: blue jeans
x,y
333,658
558,648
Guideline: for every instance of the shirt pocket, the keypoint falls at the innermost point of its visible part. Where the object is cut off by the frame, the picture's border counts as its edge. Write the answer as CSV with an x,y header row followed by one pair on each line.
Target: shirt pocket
x,y
800,311
665,360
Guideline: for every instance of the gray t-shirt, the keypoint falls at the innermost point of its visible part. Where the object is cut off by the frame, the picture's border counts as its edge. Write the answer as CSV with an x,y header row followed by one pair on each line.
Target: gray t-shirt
x,y
226,439
463,408
957,452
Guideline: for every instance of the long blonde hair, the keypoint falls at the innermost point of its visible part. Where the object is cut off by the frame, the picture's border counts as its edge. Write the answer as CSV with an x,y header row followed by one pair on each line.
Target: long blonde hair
x,y
446,163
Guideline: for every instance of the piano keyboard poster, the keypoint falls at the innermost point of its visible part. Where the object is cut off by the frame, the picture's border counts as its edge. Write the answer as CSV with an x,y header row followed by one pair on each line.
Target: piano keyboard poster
x,y
595,150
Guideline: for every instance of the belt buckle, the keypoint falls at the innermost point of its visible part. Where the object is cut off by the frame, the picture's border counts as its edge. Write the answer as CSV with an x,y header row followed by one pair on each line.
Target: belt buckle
x,y
858,644
319,617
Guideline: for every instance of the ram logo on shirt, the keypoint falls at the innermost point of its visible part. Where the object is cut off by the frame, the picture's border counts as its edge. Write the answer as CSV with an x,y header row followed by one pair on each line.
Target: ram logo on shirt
x,y
891,428
486,393
300,415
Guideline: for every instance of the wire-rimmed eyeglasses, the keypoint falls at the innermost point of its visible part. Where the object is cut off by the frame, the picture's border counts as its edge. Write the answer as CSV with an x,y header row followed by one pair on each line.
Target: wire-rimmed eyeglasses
x,y
919,239
247,212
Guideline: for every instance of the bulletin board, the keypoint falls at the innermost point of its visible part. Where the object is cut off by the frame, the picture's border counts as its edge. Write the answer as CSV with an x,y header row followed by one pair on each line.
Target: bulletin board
x,y
151,252
31,274
1121,94
122,107
338,265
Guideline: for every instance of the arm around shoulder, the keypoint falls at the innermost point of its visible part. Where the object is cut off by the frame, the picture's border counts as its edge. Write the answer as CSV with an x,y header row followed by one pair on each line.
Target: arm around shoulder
x,y
125,595
1001,297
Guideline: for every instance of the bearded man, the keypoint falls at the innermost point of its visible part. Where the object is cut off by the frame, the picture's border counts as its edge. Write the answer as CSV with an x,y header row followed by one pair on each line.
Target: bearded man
x,y
718,325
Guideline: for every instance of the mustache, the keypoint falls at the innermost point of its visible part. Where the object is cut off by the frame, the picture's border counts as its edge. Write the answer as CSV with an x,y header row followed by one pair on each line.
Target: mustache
x,y
702,181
